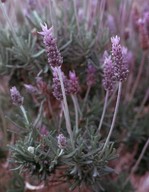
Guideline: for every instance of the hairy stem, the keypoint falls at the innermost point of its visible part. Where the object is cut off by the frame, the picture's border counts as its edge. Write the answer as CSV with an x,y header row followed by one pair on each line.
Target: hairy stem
x,y
114,116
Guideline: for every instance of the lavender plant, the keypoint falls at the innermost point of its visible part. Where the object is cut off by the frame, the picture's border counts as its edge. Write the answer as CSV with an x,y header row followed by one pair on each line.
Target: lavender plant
x,y
83,155
67,133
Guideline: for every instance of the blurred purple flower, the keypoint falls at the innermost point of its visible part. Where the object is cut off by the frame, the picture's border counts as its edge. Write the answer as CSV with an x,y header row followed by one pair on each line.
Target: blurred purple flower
x,y
32,4
143,34
91,75
31,89
111,24
73,83
54,57
17,99
43,130
41,85
3,1
61,140
146,19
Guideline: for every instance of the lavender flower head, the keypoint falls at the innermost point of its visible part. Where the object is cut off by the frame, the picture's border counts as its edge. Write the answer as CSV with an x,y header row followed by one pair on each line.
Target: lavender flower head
x,y
54,57
91,75
120,67
108,80
17,99
56,86
61,140
73,83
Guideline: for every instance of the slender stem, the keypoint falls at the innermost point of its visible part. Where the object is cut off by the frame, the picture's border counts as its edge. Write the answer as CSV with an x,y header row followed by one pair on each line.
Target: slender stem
x,y
66,110
75,12
53,17
25,116
114,116
138,76
103,113
140,108
76,112
78,106
85,99
140,157
38,19
10,25
134,168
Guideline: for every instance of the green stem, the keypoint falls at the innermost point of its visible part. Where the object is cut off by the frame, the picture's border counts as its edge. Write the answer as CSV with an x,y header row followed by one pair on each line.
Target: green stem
x,y
10,25
85,99
75,12
65,107
114,116
76,112
25,116
78,106
103,113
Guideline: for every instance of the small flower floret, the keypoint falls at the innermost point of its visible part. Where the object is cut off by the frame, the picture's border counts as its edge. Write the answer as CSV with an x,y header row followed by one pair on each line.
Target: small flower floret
x,y
17,99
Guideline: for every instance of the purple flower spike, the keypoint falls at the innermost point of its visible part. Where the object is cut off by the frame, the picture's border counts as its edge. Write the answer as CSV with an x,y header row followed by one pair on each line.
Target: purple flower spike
x,y
56,86
108,80
62,142
118,56
54,57
91,75
73,83
17,99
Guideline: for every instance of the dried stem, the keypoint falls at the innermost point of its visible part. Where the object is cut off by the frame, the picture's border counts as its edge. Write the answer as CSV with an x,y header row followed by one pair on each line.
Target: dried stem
x,y
138,76
140,108
134,168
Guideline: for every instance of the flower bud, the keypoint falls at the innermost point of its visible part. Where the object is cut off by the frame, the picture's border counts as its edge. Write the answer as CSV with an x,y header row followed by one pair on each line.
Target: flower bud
x,y
91,75
73,83
61,140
